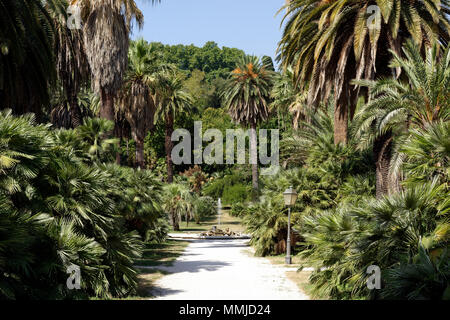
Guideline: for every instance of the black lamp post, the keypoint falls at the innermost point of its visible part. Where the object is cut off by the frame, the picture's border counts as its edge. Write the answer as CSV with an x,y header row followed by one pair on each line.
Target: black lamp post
x,y
290,196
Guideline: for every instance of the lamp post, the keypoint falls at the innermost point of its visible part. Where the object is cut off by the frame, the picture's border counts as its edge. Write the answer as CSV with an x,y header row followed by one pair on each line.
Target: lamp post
x,y
290,196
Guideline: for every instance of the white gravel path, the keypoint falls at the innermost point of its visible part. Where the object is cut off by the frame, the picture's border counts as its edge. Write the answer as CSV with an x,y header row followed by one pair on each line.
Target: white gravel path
x,y
224,270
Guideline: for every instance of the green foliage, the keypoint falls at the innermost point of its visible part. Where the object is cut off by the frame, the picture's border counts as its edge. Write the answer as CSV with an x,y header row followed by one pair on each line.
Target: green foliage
x,y
178,202
231,188
210,59
267,222
236,193
423,279
426,154
238,209
93,213
346,241
204,207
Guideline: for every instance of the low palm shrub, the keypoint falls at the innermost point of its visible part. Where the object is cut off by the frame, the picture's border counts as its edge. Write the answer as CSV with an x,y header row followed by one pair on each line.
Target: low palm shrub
x,y
59,207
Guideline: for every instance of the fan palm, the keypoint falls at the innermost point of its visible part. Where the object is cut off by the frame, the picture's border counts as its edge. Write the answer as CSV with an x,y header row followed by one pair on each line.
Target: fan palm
x,y
107,25
329,43
427,154
96,143
177,201
171,100
267,222
397,105
247,95
71,61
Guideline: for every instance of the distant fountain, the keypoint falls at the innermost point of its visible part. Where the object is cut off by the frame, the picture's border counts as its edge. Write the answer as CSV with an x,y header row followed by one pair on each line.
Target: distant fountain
x,y
217,233
219,208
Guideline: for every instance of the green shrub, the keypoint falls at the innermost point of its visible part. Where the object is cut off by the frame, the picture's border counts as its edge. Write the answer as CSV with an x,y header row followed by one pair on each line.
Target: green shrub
x,y
236,193
93,213
204,207
238,209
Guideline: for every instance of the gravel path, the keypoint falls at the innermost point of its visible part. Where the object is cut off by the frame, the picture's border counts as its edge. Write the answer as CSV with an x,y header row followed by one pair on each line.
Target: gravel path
x,y
224,270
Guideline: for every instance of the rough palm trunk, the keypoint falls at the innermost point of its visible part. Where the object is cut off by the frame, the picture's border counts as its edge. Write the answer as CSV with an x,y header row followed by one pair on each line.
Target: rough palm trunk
x,y
175,224
169,147
340,123
383,151
140,153
107,106
75,112
254,156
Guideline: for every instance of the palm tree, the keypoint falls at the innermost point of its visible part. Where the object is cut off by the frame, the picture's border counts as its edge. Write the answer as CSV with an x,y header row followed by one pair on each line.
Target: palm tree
x,y
98,146
330,43
171,100
417,100
286,98
177,201
71,61
107,25
247,95
136,100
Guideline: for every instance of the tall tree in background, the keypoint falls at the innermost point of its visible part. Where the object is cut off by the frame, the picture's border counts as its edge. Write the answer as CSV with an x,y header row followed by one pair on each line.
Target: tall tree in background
x,y
171,100
330,43
136,101
107,25
71,60
247,95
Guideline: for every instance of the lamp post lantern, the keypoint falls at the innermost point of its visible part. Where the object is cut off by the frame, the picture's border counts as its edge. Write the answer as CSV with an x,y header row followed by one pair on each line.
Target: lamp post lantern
x,y
290,196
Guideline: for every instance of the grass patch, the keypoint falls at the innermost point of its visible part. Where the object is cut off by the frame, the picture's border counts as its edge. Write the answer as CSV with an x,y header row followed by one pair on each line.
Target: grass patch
x,y
226,221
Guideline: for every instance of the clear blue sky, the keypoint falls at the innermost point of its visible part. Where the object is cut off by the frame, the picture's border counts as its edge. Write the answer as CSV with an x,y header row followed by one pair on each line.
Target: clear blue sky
x,y
250,25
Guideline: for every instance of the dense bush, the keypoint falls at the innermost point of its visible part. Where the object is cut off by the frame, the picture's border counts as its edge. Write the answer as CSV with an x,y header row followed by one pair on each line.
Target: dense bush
x,y
60,207
204,207
231,188
344,229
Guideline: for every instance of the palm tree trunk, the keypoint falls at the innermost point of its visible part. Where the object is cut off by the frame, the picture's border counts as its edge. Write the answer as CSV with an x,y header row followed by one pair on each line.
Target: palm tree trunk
x,y
107,106
175,224
340,123
254,156
169,147
383,151
140,153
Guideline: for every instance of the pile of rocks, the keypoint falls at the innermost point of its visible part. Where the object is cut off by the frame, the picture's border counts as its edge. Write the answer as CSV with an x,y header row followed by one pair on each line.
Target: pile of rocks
x,y
214,232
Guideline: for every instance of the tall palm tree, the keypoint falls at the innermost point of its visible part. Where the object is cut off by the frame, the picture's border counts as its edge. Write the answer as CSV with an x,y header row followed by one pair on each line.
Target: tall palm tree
x,y
171,100
397,105
107,25
287,99
71,61
330,43
136,101
247,96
